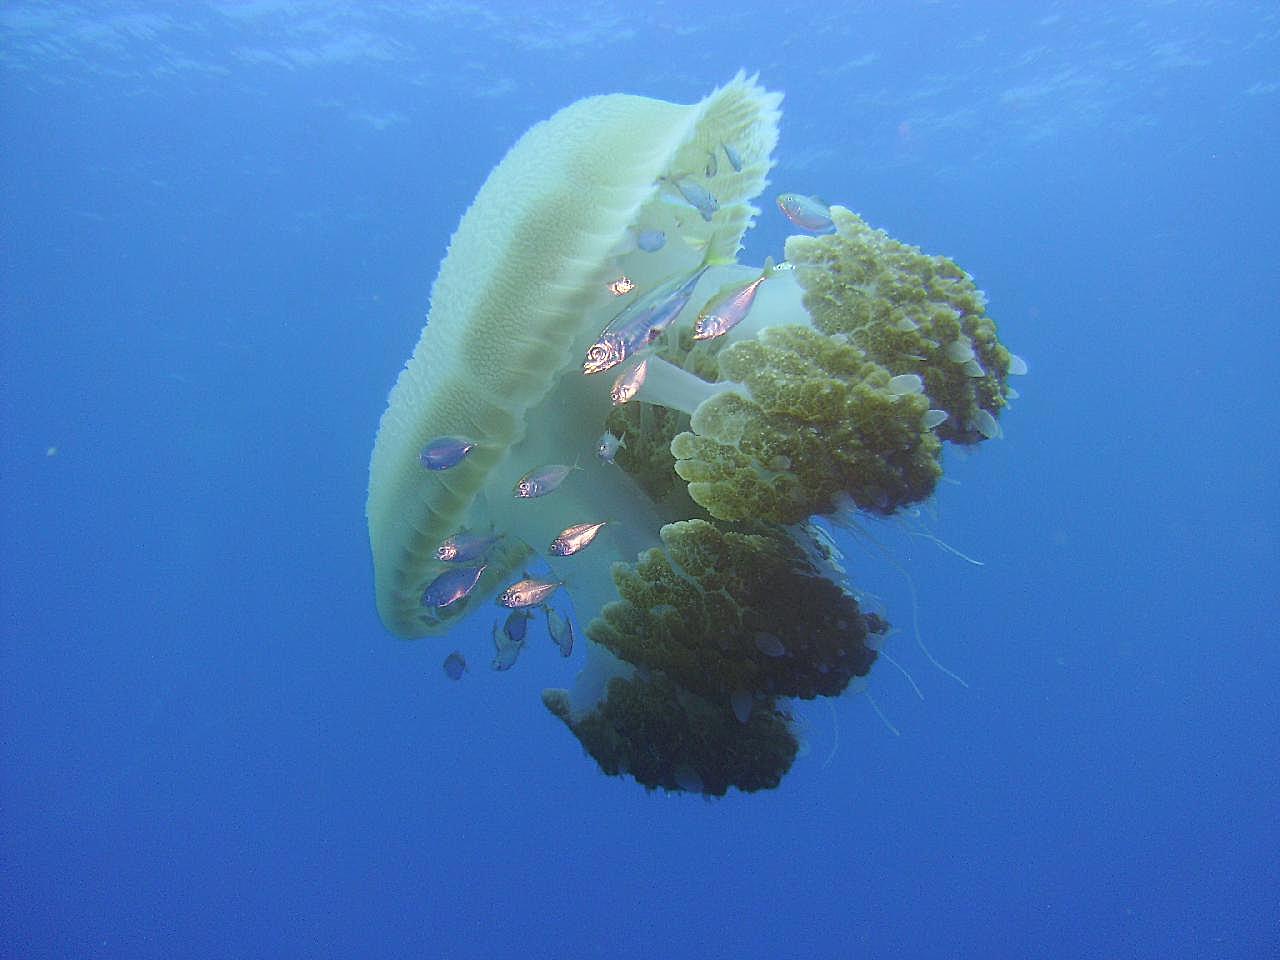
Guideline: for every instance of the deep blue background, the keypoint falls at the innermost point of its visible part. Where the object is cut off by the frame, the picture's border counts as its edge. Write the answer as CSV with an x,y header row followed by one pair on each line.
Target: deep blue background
x,y
219,227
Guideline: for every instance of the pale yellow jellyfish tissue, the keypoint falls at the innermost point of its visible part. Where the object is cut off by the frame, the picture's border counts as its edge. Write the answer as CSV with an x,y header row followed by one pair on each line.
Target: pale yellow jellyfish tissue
x,y
521,294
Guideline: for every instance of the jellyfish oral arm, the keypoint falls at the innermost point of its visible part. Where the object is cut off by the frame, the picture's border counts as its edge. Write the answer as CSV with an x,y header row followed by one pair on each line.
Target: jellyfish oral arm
x,y
677,388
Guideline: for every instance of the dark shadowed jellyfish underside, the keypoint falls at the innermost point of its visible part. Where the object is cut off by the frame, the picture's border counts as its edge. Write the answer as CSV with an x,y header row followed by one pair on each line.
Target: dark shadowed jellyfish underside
x,y
710,598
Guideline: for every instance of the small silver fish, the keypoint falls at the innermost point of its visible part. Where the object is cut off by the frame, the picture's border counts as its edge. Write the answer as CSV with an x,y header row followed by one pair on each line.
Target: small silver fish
x,y
621,286
735,158
729,306
517,625
629,382
528,592
651,241
575,538
644,320
451,586
561,630
455,665
542,480
607,446
712,166
697,196
464,547
445,452
505,650
809,213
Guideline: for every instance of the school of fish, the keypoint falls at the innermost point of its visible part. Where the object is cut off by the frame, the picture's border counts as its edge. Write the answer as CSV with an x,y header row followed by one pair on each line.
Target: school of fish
x,y
629,337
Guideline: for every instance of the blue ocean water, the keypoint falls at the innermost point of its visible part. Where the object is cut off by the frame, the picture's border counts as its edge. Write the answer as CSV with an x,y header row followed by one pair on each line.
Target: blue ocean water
x,y
220,225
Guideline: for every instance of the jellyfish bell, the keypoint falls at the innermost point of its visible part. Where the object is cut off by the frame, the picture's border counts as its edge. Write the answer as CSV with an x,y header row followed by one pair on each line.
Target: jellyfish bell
x,y
518,300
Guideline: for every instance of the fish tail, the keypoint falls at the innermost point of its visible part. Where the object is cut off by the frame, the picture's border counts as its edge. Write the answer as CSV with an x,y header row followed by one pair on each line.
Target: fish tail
x,y
712,256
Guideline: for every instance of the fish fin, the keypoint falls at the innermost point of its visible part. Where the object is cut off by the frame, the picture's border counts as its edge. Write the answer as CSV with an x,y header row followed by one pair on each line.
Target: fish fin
x,y
710,258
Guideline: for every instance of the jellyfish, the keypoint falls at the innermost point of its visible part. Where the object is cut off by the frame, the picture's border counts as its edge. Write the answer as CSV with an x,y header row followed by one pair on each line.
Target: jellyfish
x,y
827,394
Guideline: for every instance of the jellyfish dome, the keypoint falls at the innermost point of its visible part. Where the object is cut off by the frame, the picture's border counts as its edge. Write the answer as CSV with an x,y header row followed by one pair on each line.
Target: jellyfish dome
x,y
596,244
